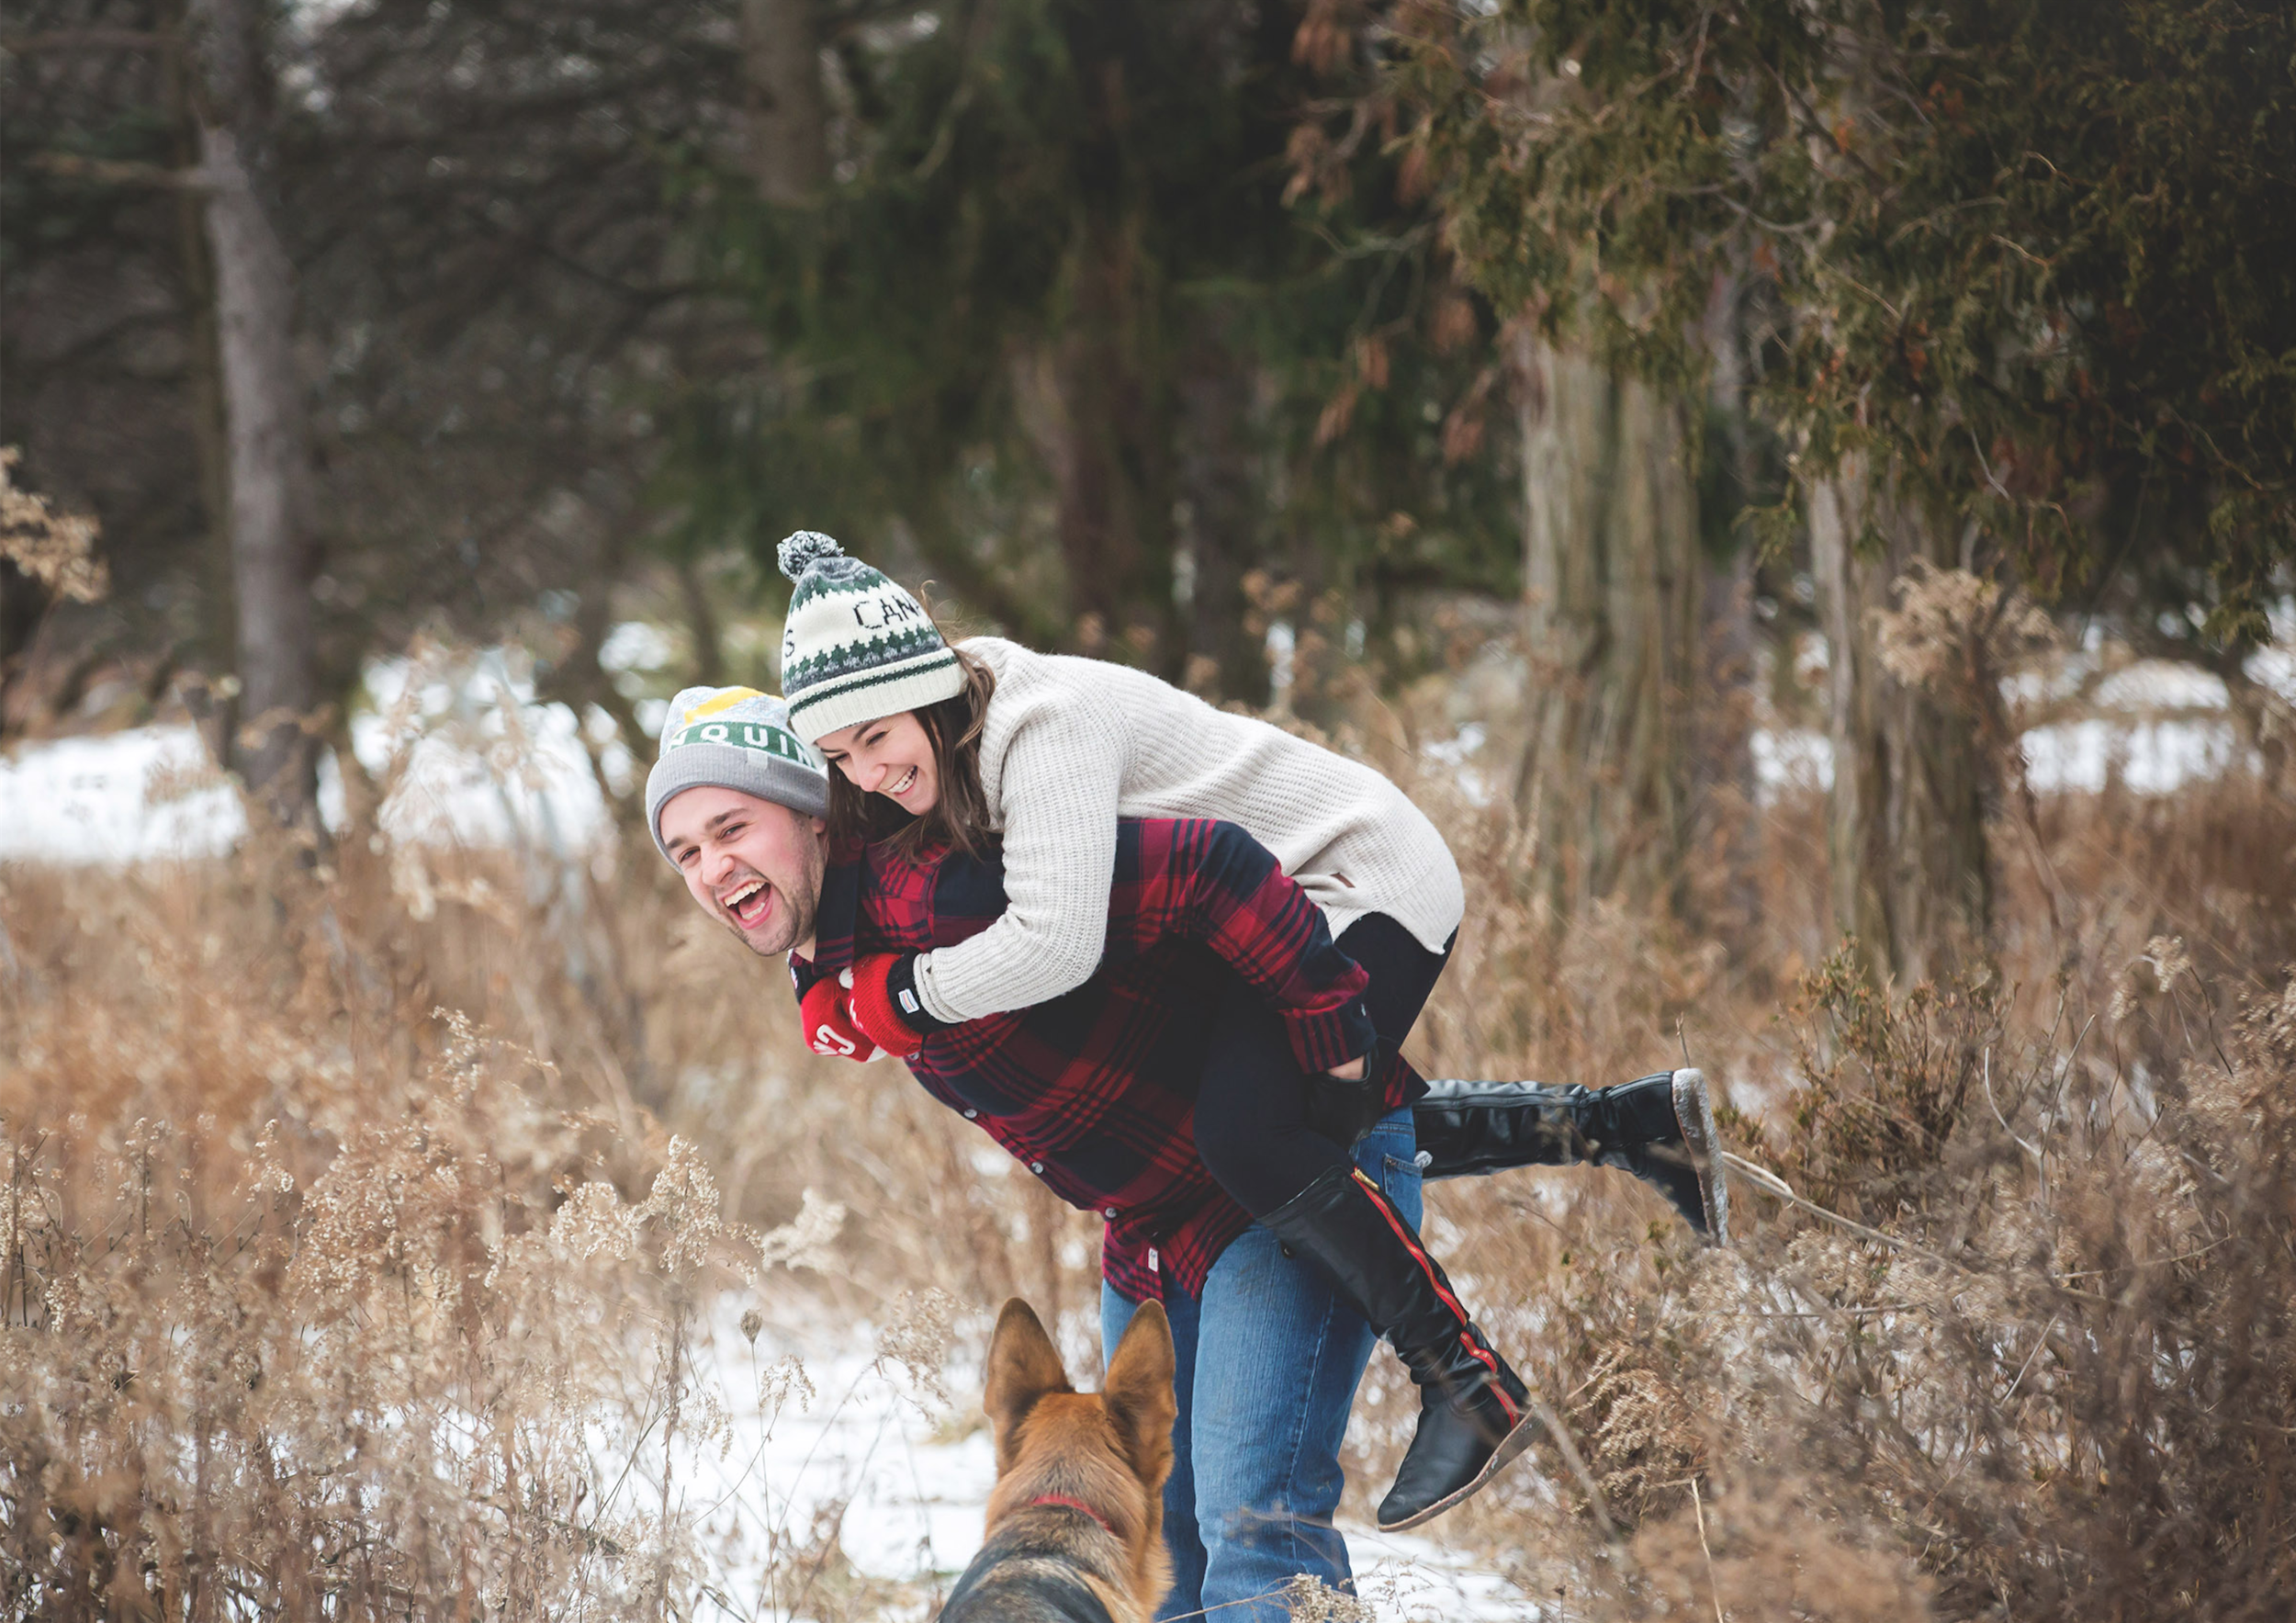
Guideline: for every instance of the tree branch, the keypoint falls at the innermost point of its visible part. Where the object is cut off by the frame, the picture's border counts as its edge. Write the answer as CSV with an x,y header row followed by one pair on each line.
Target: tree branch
x,y
62,39
111,171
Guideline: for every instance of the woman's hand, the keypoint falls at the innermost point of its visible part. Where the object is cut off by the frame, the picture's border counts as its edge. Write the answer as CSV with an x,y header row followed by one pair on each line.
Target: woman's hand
x,y
1342,1104
885,1005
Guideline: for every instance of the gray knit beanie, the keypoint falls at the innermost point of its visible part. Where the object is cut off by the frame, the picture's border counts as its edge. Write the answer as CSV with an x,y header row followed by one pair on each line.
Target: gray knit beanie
x,y
857,647
734,738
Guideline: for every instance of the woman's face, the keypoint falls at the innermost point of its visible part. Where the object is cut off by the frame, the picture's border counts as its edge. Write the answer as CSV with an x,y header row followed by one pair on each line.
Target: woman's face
x,y
892,756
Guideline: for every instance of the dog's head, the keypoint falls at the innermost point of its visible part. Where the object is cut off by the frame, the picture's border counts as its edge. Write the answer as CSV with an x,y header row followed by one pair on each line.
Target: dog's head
x,y
1109,1450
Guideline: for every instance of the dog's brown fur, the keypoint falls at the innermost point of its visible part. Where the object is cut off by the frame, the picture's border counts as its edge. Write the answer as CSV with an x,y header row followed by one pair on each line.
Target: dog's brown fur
x,y
1109,1451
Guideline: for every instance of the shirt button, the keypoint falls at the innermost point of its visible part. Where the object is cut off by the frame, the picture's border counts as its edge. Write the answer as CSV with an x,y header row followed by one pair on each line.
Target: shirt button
x,y
972,1115
1109,1214
1037,1166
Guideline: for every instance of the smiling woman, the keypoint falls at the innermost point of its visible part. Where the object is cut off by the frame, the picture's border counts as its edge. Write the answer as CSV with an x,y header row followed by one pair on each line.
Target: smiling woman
x,y
893,757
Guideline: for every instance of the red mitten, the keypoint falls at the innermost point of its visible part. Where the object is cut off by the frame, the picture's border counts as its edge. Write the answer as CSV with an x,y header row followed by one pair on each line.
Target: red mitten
x,y
876,1005
829,1027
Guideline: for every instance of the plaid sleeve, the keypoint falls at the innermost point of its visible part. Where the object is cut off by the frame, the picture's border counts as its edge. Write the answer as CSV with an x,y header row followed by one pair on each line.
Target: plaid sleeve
x,y
1224,888
804,975
836,918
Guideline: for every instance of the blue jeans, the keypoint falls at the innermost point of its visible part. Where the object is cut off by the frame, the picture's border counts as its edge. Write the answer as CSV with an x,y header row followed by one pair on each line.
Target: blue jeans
x,y
1266,1370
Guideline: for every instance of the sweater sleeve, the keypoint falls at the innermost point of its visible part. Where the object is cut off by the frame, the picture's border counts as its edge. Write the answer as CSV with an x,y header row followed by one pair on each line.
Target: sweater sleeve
x,y
1063,768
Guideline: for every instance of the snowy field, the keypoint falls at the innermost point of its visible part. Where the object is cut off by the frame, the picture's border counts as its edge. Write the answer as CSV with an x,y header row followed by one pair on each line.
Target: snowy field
x,y
826,1464
471,758
851,1464
855,1453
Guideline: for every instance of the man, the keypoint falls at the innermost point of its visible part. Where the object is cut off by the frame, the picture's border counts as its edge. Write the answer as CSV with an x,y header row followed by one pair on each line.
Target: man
x,y
1094,1092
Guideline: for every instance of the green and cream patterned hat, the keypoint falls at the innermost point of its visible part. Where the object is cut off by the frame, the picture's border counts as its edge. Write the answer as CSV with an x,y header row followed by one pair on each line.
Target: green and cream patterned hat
x,y
734,738
857,646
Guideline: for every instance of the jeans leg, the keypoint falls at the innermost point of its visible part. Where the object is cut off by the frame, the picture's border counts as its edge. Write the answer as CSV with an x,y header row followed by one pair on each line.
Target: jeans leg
x,y
1278,1356
1181,1540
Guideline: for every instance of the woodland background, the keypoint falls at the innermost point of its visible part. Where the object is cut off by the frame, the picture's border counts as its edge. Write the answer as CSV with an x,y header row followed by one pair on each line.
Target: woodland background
x,y
1560,403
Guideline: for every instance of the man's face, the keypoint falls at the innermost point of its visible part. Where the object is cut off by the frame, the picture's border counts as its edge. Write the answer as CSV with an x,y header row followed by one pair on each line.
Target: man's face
x,y
754,865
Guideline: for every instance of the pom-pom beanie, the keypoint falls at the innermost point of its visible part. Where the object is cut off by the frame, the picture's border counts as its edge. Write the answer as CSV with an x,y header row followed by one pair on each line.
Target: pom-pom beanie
x,y
734,738
857,647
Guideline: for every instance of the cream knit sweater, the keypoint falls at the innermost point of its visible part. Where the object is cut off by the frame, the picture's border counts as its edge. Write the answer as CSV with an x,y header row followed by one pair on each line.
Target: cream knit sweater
x,y
1072,745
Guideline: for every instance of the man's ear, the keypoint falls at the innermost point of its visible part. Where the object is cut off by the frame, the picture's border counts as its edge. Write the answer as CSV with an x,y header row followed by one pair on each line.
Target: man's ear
x,y
1139,1394
1023,1368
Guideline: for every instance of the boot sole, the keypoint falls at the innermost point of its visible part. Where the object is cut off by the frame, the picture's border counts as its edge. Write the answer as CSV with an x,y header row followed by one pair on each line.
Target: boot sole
x,y
1510,1449
1695,1113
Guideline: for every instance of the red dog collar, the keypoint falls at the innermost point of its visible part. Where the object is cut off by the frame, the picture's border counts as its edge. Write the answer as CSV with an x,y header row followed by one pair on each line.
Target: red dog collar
x,y
1064,1501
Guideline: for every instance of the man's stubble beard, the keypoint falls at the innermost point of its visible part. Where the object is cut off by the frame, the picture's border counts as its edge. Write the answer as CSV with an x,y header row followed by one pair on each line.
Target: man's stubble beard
x,y
803,905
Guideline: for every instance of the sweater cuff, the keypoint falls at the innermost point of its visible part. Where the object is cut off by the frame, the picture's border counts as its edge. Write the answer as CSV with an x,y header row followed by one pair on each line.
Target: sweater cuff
x,y
917,1011
928,991
1321,1039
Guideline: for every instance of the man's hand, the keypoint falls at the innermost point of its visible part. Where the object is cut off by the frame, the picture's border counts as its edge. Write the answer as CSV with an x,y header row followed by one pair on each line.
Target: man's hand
x,y
1350,1072
885,1005
829,1027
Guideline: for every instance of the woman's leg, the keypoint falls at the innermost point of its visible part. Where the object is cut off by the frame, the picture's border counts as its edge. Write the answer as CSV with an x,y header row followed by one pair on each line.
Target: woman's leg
x,y
1661,1128
1253,1133
1252,1112
1181,1539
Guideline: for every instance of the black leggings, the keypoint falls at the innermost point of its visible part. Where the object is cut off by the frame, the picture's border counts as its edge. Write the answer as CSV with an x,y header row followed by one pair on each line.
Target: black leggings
x,y
1251,1113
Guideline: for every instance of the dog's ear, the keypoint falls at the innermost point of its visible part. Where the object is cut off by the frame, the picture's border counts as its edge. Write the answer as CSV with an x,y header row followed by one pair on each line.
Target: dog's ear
x,y
1023,1367
1139,1394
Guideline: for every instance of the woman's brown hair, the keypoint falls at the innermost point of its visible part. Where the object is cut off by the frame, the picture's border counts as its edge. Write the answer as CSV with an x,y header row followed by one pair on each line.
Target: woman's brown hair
x,y
959,817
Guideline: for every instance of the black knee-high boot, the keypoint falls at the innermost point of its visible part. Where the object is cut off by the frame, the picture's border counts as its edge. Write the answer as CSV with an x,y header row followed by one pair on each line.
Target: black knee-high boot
x,y
1660,1128
1473,1414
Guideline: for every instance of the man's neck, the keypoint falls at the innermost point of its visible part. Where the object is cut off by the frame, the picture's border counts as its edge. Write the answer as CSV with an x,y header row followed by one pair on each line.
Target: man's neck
x,y
804,950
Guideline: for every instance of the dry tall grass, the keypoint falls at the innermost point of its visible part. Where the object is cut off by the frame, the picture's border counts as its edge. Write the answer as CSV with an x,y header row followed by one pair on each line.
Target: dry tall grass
x,y
2027,1348
321,1303
325,1299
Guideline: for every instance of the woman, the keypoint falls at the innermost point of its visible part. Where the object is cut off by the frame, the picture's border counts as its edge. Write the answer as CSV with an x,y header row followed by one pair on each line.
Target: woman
x,y
987,742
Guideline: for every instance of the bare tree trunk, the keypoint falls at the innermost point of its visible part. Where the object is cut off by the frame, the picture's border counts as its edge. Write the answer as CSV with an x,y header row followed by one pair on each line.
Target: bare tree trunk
x,y
270,461
1725,834
1218,512
1912,876
1611,594
1726,826
204,386
789,151
255,291
1111,461
709,653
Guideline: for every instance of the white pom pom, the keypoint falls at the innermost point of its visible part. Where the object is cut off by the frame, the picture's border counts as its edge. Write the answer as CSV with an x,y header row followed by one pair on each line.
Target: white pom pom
x,y
804,549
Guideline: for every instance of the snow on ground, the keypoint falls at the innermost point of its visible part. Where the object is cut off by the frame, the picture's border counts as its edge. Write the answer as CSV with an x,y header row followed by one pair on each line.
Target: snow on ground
x,y
148,794
471,757
1791,760
475,760
2153,757
903,1483
121,797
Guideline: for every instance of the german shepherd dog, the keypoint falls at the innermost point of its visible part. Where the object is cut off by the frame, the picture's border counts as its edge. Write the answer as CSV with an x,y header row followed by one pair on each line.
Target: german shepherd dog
x,y
1076,1524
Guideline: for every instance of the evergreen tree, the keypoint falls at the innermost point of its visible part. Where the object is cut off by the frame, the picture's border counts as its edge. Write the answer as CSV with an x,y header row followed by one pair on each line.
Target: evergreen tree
x,y
1054,325
2034,270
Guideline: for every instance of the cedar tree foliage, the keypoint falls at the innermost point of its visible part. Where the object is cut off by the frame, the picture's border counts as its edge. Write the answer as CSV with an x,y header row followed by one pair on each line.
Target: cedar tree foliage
x,y
2040,255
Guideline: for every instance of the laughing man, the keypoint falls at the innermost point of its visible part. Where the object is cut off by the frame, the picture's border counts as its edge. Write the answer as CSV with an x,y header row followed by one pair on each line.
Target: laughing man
x,y
1094,1093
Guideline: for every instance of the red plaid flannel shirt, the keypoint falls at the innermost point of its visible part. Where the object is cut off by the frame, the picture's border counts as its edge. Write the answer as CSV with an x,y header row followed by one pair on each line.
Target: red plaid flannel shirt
x,y
1095,1091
